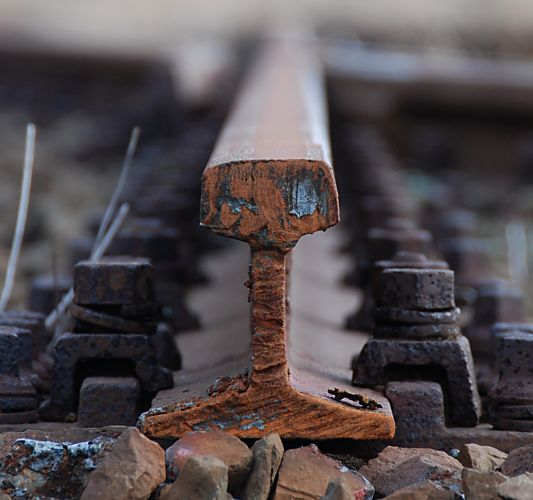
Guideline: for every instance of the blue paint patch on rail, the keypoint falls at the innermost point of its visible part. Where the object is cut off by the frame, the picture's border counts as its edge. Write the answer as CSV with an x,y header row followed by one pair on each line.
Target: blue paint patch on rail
x,y
304,198
259,424
236,204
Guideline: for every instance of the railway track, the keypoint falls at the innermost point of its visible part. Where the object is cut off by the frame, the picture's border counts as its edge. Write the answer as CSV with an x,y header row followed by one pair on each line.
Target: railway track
x,y
390,325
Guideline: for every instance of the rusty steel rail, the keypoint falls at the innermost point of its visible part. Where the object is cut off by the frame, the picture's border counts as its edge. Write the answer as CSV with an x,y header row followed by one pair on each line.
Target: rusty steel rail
x,y
269,182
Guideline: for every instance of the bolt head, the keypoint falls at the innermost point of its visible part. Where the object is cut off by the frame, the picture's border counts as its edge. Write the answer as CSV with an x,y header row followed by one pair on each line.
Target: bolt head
x,y
417,289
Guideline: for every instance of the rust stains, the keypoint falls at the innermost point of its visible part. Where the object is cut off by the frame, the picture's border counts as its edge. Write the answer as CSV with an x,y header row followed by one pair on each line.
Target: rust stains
x,y
269,203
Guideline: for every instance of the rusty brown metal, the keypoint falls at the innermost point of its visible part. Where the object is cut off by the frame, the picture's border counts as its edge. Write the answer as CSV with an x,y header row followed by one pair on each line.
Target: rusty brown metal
x,y
268,183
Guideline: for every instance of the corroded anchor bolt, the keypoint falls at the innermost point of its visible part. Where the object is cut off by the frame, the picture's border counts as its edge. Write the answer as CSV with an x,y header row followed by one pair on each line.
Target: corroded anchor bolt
x,y
114,281
118,294
18,398
402,260
269,182
511,398
416,338
116,321
115,294
417,289
416,303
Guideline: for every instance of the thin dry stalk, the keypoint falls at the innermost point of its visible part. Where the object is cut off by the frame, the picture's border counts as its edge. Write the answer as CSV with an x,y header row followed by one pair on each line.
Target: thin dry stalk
x,y
113,202
22,215
100,250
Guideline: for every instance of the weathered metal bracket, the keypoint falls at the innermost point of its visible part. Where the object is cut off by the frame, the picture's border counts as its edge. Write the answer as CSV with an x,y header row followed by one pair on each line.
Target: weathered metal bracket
x,y
268,183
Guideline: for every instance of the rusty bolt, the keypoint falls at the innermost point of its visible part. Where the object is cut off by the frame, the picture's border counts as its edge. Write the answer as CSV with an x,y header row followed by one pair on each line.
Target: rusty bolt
x,y
114,281
417,289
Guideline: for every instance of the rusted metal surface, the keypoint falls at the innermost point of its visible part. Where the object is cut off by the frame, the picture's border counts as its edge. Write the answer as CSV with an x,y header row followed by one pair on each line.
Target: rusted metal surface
x,y
268,183
115,294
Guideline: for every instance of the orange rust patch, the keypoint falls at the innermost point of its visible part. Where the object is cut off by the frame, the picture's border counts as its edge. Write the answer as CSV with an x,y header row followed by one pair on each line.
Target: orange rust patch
x,y
269,203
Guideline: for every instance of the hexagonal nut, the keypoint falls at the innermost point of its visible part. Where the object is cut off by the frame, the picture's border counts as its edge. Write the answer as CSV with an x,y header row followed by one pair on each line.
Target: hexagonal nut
x,y
114,281
418,289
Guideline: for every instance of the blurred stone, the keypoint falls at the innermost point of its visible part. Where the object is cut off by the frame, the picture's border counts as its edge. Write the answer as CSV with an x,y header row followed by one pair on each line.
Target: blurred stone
x,y
306,473
519,461
267,455
517,488
396,468
231,450
201,478
482,458
339,489
478,485
132,470
427,490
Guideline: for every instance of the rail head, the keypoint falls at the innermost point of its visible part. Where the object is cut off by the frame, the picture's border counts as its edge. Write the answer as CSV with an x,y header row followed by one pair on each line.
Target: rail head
x,y
270,179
